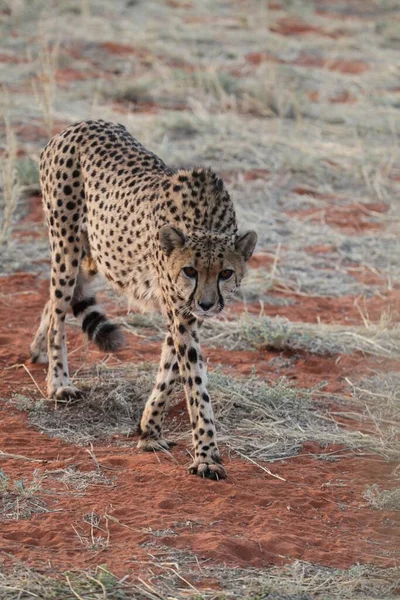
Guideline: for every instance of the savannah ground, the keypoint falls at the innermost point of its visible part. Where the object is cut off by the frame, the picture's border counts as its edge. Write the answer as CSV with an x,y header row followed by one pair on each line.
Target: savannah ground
x,y
296,105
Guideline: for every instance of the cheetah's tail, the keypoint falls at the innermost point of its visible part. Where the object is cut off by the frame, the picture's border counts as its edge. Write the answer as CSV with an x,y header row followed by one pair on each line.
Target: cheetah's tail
x,y
106,335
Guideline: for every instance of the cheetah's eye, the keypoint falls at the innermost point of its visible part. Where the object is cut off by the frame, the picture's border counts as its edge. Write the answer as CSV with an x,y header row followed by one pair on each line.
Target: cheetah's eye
x,y
226,274
190,272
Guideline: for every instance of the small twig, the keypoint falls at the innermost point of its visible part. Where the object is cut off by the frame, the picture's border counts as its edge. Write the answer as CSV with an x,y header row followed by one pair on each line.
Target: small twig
x,y
183,579
17,366
99,583
78,534
93,456
154,594
257,464
109,517
72,589
164,451
21,591
367,341
20,457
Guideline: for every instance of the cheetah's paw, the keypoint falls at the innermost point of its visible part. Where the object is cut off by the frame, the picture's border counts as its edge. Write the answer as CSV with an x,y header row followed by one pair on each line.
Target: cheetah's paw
x,y
39,356
209,470
67,392
38,352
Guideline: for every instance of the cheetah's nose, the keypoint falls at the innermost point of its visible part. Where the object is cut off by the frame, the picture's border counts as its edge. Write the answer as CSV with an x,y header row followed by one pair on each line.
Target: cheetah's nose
x,y
206,305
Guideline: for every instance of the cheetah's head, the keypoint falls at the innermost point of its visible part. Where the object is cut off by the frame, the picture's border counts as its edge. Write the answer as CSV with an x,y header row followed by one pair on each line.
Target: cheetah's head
x,y
206,268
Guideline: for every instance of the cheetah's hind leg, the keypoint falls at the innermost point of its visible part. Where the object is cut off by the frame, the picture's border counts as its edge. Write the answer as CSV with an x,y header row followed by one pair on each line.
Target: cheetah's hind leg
x,y
38,348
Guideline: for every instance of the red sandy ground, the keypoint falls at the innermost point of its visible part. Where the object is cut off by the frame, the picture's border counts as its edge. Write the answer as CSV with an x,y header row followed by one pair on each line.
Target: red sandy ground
x,y
317,514
348,67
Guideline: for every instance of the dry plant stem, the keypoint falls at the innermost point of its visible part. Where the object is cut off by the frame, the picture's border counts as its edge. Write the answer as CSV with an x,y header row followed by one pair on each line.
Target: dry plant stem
x,y
10,184
262,467
44,86
99,583
19,457
17,366
72,589
93,457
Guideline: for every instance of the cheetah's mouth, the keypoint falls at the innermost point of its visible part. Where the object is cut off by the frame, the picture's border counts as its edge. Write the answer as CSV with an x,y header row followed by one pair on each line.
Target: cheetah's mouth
x,y
204,315
207,314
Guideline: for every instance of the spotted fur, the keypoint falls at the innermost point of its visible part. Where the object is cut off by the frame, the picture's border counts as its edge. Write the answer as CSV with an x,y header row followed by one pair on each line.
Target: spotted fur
x,y
159,236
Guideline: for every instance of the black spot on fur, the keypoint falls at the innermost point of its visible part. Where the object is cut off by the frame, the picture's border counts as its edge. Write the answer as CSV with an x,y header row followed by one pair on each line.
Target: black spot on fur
x,y
192,355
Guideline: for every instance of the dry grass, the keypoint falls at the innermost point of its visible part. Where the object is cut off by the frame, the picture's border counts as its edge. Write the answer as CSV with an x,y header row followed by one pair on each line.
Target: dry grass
x,y
272,421
26,257
25,583
380,391
298,581
76,481
44,86
111,405
19,498
382,499
259,420
97,535
28,174
281,334
376,403
9,183
260,332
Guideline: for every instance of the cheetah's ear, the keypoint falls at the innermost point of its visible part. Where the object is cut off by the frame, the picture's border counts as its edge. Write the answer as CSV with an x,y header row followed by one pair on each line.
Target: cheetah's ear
x,y
245,244
171,238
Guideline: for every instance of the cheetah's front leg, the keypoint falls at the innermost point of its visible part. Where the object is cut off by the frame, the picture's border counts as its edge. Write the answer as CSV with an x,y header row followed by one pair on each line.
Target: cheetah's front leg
x,y
207,462
151,423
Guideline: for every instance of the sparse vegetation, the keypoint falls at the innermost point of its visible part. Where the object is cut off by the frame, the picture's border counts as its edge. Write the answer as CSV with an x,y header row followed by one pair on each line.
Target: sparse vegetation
x,y
86,585
251,332
263,420
112,404
20,498
44,85
97,535
300,581
77,481
382,499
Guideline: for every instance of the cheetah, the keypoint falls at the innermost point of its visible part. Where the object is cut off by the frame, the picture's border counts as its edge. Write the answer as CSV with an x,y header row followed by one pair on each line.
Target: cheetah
x,y
160,236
